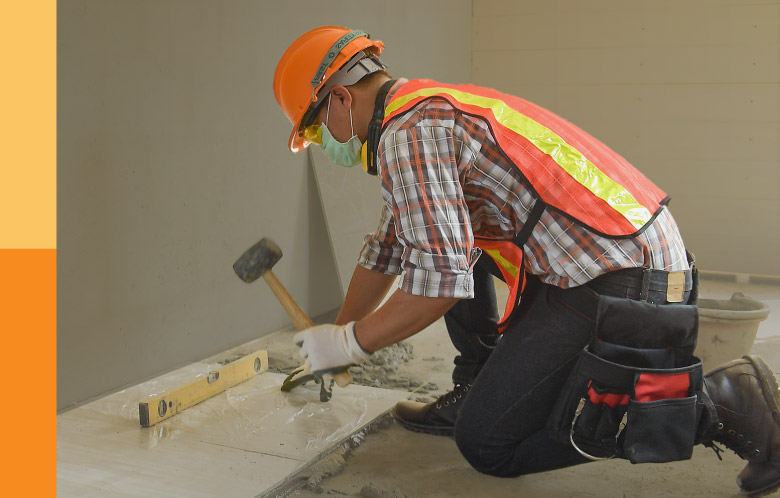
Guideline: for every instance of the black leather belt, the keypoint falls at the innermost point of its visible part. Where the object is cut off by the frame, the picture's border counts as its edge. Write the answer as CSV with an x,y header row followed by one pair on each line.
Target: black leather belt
x,y
645,284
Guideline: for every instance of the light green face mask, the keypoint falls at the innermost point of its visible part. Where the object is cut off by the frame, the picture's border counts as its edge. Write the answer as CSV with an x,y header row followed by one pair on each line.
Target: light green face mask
x,y
345,154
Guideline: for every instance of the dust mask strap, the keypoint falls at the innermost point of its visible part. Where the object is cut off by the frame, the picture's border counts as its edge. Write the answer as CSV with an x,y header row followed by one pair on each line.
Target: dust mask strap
x,y
345,154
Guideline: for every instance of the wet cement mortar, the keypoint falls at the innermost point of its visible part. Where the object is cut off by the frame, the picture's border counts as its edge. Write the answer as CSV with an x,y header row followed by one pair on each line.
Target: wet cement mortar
x,y
314,480
385,369
394,367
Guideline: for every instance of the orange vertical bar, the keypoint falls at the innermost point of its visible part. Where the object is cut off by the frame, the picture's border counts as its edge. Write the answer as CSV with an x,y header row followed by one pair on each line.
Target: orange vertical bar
x,y
28,337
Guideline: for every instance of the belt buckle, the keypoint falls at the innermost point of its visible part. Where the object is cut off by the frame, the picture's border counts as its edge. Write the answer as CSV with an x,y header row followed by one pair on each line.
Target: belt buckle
x,y
675,286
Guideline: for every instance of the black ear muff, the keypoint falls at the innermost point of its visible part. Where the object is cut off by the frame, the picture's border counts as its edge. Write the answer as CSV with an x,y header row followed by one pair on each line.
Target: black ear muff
x,y
375,127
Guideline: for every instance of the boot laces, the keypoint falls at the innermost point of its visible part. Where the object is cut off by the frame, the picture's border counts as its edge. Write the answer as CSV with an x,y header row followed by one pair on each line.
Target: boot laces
x,y
452,397
717,449
736,442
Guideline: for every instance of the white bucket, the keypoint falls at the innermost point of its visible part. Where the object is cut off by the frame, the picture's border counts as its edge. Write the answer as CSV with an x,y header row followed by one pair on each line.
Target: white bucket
x,y
727,328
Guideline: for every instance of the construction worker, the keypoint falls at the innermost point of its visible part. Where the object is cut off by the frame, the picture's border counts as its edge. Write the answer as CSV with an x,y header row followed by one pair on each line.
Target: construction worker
x,y
477,184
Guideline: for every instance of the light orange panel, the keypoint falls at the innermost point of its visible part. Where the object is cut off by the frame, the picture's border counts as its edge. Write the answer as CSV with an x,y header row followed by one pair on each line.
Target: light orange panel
x,y
28,124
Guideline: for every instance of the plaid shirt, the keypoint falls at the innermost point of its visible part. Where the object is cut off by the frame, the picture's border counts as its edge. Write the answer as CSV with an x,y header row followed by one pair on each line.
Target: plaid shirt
x,y
445,181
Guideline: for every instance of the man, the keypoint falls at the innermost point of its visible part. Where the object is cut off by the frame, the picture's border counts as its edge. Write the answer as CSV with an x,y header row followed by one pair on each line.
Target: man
x,y
477,183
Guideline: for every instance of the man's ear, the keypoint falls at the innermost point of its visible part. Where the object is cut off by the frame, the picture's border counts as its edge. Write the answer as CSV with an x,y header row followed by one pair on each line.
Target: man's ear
x,y
341,96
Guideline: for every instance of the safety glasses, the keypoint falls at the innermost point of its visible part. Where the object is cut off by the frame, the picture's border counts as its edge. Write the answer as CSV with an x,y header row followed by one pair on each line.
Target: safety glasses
x,y
313,134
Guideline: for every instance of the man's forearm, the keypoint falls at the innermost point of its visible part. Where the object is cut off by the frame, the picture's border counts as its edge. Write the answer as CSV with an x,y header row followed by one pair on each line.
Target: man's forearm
x,y
402,316
366,290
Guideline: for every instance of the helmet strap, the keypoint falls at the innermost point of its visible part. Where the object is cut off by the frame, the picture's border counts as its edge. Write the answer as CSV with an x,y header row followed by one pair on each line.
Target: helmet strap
x,y
331,54
359,66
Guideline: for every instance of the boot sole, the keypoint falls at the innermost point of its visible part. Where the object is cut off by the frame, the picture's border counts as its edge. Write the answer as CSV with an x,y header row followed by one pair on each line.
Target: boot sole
x,y
769,386
761,492
771,392
424,429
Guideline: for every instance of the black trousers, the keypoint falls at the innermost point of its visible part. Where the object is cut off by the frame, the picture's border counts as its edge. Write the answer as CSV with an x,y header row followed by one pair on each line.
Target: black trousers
x,y
471,323
500,429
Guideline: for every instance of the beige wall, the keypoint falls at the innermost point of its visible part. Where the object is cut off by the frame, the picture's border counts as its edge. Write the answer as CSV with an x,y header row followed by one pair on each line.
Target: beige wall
x,y
687,90
172,161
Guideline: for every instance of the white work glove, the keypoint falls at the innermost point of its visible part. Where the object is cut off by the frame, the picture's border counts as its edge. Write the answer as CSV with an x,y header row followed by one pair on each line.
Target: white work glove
x,y
330,348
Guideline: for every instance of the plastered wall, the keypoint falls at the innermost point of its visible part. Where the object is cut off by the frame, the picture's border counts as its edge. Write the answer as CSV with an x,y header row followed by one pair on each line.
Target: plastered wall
x,y
687,90
172,161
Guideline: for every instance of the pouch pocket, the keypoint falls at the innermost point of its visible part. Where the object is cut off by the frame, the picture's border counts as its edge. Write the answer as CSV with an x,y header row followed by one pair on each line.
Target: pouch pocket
x,y
598,421
660,431
591,406
634,357
648,326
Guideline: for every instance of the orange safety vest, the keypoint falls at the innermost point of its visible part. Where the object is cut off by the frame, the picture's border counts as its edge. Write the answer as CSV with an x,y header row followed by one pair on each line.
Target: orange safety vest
x,y
570,171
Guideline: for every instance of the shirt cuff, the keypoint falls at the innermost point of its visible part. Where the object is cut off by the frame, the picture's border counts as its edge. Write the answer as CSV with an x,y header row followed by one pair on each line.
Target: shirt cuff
x,y
433,275
376,257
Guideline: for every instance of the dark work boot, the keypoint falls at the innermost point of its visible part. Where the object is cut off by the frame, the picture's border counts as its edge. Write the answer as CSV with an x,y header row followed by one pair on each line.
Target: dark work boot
x,y
745,395
436,418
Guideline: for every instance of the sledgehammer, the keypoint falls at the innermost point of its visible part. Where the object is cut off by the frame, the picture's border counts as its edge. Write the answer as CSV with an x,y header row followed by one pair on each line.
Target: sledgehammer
x,y
257,261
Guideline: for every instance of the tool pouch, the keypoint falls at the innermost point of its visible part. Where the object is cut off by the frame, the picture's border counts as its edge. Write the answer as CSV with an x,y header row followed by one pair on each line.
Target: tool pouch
x,y
634,392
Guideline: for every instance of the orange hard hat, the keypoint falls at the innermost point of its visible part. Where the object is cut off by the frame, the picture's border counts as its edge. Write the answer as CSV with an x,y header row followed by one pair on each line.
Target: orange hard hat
x,y
308,64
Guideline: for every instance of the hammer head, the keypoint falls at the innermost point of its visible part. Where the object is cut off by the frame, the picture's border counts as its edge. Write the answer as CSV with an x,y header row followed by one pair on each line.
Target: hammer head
x,y
257,260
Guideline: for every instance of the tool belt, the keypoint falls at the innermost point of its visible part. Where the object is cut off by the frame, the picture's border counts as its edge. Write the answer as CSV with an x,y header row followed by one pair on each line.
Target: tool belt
x,y
635,391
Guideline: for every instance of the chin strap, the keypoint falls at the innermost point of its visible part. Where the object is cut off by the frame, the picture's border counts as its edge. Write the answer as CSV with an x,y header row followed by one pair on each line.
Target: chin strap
x,y
375,127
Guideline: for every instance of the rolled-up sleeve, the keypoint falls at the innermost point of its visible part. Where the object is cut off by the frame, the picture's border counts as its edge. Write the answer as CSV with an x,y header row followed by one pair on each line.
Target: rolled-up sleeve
x,y
425,206
381,250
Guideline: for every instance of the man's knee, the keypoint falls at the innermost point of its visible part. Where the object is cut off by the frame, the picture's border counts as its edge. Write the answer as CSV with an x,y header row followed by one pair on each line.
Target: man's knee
x,y
488,459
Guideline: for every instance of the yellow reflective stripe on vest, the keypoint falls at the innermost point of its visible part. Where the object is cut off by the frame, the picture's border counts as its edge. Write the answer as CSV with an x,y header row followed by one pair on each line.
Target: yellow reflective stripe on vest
x,y
567,157
509,267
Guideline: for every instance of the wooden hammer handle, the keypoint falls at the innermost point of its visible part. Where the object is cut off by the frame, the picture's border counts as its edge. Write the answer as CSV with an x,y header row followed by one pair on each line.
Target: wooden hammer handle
x,y
299,317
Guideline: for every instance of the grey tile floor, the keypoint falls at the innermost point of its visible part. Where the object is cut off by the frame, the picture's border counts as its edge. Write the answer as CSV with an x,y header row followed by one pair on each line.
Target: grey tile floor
x,y
238,443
